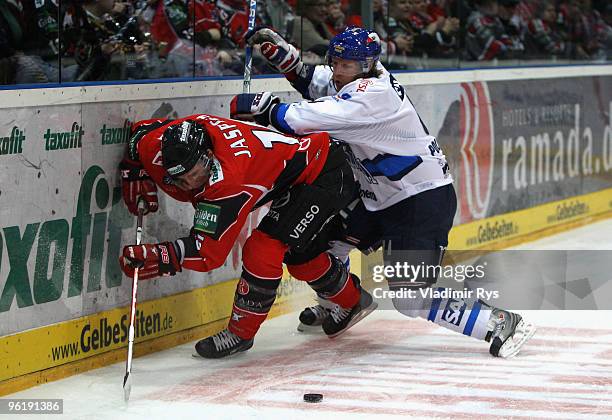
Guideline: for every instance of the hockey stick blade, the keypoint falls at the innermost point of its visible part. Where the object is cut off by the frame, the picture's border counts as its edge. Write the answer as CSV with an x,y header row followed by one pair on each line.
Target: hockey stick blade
x,y
127,387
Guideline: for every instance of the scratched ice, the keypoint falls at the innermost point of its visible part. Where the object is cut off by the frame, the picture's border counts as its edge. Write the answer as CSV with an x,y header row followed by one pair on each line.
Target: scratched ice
x,y
386,367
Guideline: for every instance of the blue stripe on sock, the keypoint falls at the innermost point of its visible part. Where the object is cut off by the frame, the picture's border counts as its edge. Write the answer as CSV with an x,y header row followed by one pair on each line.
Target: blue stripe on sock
x,y
433,311
469,325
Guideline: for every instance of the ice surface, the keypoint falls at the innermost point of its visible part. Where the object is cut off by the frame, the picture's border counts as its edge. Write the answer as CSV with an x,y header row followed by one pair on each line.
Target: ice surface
x,y
388,366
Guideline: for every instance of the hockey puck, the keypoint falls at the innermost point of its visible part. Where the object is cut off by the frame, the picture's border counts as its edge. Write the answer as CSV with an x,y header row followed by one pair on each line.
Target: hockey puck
x,y
313,398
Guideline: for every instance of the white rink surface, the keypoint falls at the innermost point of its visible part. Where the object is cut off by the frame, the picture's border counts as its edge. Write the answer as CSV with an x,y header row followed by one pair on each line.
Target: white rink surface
x,y
388,366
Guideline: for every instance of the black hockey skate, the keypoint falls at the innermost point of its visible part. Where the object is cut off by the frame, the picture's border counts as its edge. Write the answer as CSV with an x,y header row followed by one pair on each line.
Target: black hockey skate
x,y
222,344
312,318
341,319
507,333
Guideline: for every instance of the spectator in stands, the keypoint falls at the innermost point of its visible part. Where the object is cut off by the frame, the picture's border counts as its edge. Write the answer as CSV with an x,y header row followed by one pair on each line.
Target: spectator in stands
x,y
183,32
104,41
11,34
437,31
335,19
607,17
380,18
598,31
527,10
207,27
17,64
430,37
352,11
544,37
388,47
276,14
399,32
308,29
486,36
43,25
575,23
512,25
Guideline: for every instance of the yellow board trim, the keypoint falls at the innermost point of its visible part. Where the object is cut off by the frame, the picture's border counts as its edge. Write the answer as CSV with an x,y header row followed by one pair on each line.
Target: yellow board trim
x,y
516,227
30,380
194,313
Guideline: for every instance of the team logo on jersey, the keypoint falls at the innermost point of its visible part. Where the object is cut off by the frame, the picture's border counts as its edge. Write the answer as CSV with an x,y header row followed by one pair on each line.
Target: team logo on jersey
x,y
477,150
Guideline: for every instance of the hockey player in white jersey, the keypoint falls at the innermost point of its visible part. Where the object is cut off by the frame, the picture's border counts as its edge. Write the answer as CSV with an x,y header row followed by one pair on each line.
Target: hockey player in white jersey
x,y
407,198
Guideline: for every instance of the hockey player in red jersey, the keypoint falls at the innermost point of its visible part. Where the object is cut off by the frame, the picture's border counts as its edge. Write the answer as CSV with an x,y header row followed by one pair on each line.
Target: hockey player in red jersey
x,y
226,169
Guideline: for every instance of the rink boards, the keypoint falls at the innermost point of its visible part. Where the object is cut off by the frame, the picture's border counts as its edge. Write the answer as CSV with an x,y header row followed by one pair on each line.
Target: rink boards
x,y
528,157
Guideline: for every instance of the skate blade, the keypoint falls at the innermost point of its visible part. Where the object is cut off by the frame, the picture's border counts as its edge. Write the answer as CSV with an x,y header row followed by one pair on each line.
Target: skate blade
x,y
310,329
367,311
513,345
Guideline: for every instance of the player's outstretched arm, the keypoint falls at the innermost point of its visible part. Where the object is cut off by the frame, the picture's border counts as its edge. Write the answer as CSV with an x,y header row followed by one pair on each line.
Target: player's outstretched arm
x,y
284,58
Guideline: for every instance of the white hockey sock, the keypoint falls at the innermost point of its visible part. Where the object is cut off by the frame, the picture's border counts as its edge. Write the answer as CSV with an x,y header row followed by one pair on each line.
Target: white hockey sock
x,y
466,316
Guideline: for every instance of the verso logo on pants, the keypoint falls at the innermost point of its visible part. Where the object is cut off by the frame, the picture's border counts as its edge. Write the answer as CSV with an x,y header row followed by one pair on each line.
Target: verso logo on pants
x,y
306,220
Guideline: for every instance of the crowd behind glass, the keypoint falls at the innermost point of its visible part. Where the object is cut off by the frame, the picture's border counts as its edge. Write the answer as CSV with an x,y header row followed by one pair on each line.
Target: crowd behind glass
x,y
51,41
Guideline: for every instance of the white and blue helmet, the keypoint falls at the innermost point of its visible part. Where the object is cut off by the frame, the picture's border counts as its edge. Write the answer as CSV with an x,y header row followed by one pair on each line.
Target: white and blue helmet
x,y
355,43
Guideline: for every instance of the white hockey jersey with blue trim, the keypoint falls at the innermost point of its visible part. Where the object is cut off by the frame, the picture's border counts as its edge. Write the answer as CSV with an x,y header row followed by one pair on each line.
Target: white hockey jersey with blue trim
x,y
394,156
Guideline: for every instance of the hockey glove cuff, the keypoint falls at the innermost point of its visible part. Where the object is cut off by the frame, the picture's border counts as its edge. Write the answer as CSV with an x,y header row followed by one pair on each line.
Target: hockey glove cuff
x,y
152,260
254,105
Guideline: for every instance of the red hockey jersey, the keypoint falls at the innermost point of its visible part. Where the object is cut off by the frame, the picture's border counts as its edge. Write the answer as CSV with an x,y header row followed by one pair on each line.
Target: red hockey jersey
x,y
252,165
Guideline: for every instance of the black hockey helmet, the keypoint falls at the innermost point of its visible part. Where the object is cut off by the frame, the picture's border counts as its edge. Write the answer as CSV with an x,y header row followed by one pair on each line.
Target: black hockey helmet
x,y
183,145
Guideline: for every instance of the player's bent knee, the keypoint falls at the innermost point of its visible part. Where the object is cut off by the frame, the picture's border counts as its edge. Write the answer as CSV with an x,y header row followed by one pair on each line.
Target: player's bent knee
x,y
262,255
311,270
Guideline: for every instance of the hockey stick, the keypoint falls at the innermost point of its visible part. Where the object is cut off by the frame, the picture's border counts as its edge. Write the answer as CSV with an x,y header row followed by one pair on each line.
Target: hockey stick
x,y
248,57
127,380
